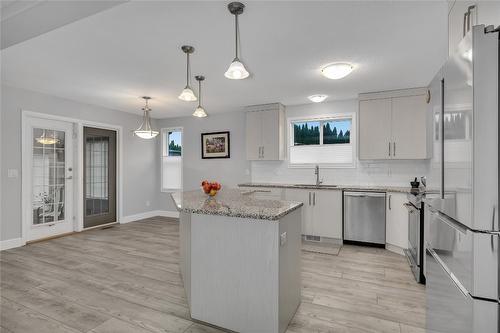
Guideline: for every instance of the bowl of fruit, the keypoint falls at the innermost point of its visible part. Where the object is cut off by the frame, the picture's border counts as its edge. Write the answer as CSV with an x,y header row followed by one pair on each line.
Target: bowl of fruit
x,y
210,188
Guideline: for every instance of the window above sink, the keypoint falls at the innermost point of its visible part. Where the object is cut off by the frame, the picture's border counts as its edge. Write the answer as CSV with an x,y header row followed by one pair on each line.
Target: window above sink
x,y
328,141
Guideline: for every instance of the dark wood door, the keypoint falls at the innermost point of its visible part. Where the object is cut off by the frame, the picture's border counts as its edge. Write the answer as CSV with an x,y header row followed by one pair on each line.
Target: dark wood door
x,y
99,176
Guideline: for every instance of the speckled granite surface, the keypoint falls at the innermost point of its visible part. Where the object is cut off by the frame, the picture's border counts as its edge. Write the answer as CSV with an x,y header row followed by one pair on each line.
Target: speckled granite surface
x,y
372,188
235,203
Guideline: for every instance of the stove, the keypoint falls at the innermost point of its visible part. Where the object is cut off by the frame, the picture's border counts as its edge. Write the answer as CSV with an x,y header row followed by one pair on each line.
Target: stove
x,y
415,251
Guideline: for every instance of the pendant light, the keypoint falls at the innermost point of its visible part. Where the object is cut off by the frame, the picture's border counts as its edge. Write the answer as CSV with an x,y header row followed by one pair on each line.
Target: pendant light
x,y
236,70
145,131
187,93
200,111
44,139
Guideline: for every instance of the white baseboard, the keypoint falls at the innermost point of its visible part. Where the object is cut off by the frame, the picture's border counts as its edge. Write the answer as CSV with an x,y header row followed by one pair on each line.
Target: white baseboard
x,y
145,215
11,243
394,248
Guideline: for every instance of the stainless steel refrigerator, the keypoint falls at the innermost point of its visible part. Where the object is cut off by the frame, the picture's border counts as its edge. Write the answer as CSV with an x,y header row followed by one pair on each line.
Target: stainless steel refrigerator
x,y
462,236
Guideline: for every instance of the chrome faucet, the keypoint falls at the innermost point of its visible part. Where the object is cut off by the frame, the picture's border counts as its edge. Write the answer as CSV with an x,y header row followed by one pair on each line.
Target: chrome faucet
x,y
316,172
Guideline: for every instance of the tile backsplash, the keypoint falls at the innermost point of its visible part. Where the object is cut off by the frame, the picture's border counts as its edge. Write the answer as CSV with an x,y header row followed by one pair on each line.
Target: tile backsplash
x,y
391,173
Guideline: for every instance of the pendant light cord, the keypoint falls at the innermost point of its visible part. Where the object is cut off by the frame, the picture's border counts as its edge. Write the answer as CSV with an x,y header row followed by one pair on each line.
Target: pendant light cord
x,y
236,32
199,93
187,70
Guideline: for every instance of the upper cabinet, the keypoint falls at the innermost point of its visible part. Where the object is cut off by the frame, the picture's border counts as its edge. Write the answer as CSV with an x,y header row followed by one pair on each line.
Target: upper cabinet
x,y
265,132
394,125
462,15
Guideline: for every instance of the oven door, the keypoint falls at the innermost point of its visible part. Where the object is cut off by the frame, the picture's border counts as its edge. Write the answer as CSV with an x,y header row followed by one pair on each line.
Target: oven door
x,y
413,234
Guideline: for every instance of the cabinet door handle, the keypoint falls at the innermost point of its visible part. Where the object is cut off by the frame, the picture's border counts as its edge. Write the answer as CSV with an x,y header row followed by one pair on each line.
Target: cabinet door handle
x,y
309,198
314,198
262,151
390,196
389,149
394,149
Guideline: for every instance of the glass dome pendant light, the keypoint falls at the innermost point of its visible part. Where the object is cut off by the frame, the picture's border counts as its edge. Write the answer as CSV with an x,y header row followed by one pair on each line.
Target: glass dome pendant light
x,y
187,93
200,111
44,139
145,131
236,70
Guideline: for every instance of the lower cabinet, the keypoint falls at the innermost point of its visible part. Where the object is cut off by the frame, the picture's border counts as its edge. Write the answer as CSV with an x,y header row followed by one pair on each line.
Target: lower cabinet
x,y
321,213
396,230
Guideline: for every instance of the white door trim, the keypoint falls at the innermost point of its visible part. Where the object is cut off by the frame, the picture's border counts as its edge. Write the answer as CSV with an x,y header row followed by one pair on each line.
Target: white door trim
x,y
78,189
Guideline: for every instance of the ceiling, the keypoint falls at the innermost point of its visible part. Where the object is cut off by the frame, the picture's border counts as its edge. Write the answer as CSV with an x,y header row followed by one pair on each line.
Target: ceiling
x,y
115,56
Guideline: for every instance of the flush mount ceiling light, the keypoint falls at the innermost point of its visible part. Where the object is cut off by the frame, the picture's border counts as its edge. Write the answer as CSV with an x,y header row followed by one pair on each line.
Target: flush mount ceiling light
x,y
145,131
187,93
200,111
44,139
318,98
337,70
236,70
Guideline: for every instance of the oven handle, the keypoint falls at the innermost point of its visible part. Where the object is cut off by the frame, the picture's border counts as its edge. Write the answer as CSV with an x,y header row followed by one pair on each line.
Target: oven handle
x,y
410,207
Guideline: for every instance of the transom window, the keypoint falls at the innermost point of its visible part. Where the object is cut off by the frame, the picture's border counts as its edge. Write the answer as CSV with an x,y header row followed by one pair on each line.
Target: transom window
x,y
327,141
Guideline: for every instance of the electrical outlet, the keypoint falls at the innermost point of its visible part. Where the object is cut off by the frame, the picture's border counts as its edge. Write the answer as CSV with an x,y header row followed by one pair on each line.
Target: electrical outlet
x,y
148,203
283,238
12,173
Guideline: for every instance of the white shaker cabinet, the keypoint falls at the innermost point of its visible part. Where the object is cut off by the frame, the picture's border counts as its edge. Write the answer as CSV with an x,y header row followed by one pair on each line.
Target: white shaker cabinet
x,y
321,213
265,132
396,220
409,127
394,125
375,129
327,213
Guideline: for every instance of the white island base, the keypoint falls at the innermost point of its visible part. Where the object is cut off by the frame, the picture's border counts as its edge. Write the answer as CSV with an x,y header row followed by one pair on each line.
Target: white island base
x,y
241,274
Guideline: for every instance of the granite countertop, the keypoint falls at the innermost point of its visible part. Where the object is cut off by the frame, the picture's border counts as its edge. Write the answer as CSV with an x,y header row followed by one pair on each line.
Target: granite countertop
x,y
235,203
372,188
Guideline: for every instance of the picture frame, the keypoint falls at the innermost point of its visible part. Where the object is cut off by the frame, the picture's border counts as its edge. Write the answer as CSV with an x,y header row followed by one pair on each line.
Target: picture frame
x,y
215,145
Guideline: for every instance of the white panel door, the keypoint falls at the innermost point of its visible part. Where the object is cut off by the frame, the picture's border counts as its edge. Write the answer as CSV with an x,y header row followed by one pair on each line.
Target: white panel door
x,y
304,196
409,127
396,220
270,134
327,213
48,182
253,135
375,129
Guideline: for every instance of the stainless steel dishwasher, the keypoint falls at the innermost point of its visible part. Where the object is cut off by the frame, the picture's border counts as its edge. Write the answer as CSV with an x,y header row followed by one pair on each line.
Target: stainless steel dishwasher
x,y
364,218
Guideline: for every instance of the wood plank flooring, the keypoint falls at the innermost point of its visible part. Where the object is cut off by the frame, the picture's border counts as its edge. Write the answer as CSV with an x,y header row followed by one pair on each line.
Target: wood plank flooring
x,y
126,280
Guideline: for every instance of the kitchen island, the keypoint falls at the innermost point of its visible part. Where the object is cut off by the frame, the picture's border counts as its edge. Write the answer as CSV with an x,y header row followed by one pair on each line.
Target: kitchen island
x,y
240,259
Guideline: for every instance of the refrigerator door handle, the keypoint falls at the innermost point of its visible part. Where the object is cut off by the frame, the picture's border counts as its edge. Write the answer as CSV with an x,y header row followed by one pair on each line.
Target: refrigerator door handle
x,y
449,221
452,276
493,229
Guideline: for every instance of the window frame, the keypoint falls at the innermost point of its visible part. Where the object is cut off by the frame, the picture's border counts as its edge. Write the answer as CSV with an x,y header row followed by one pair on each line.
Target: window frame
x,y
322,119
164,148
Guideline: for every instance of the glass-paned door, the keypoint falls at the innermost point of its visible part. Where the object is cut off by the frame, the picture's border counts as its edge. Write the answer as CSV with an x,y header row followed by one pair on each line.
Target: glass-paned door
x,y
99,176
50,177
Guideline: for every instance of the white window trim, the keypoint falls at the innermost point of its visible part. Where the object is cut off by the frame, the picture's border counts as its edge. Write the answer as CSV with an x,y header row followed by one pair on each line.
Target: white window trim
x,y
335,116
162,133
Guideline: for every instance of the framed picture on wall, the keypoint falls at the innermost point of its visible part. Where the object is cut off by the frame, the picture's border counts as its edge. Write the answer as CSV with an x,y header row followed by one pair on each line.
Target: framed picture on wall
x,y
215,145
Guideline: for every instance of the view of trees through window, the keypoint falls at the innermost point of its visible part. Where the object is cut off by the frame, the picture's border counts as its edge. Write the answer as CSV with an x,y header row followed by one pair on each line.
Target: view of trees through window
x,y
334,131
174,143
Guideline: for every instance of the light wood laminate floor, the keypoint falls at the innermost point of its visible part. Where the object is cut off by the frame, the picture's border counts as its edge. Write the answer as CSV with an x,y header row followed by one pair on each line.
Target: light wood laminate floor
x,y
126,280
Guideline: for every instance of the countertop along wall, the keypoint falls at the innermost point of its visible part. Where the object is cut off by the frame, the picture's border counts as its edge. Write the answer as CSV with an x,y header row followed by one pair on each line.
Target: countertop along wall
x,y
139,156
387,173
227,171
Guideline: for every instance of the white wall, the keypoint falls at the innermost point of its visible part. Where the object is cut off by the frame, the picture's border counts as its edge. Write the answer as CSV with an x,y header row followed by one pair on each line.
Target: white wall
x,y
228,171
139,156
366,173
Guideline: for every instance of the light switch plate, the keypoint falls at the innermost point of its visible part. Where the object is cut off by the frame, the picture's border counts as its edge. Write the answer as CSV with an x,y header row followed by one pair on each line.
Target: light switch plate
x,y
12,173
283,238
